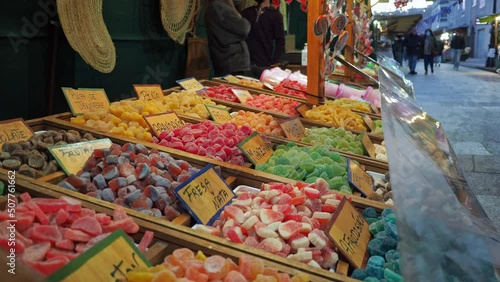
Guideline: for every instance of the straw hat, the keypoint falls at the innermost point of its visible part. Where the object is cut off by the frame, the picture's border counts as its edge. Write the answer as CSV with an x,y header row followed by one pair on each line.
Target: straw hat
x,y
84,26
178,17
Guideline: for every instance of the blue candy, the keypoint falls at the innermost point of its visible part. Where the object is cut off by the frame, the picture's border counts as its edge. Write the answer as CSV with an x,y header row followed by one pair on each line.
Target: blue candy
x,y
391,230
369,213
359,274
108,195
133,196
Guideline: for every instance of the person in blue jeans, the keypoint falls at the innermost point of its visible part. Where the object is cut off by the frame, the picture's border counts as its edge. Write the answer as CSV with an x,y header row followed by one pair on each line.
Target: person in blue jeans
x,y
430,48
457,46
412,46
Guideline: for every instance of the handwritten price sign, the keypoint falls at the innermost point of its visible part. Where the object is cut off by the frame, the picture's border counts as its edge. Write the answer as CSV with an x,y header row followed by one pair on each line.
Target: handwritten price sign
x,y
72,157
293,128
161,122
256,149
220,115
205,195
109,260
349,232
302,109
148,92
85,100
242,95
14,130
231,78
190,84
367,143
361,180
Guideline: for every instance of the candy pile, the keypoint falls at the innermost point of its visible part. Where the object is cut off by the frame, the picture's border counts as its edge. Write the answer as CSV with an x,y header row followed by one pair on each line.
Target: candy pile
x,y
379,129
32,157
222,92
337,116
219,142
133,177
353,104
274,103
184,264
336,138
308,164
251,83
282,219
51,232
125,117
288,87
259,122
384,191
384,255
380,151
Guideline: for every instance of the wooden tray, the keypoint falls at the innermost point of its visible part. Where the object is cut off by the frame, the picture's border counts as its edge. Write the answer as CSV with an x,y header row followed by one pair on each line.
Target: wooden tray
x,y
307,122
170,236
237,175
256,91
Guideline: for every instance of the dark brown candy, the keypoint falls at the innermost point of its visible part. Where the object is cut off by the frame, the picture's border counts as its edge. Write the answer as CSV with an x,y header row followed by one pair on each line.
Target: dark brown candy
x,y
58,137
4,156
26,145
43,146
21,154
88,136
387,196
75,181
49,140
28,171
72,138
61,143
11,147
36,161
375,196
74,132
12,164
49,168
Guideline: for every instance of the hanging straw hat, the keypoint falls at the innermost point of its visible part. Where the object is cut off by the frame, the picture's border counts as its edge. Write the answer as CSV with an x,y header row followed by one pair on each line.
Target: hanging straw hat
x,y
178,17
84,26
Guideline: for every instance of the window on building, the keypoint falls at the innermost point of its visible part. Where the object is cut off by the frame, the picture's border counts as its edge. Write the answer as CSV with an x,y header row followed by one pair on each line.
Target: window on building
x,y
474,3
482,3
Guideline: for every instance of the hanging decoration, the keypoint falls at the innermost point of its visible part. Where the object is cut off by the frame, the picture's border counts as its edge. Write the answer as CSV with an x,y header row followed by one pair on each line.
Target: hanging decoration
x,y
362,35
303,4
400,3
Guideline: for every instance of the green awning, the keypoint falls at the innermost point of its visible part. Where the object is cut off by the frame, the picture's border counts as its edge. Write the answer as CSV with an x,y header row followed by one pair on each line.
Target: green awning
x,y
489,18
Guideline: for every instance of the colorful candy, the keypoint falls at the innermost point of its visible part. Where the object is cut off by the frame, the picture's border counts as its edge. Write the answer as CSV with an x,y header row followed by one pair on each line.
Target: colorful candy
x,y
274,103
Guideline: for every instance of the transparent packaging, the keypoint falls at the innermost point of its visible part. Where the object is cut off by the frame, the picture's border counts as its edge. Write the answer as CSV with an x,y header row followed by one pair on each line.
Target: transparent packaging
x,y
395,78
445,235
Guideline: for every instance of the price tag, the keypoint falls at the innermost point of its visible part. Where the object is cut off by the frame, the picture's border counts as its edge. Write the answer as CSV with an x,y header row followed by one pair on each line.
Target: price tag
x,y
369,122
220,115
190,84
148,92
359,178
86,100
256,149
108,260
205,195
72,157
243,95
367,143
231,78
293,129
162,122
375,109
268,85
302,109
14,130
349,232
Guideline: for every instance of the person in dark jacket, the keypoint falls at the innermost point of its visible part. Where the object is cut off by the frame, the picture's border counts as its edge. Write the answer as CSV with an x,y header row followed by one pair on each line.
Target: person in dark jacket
x,y
226,33
397,50
266,40
439,55
412,44
457,46
430,48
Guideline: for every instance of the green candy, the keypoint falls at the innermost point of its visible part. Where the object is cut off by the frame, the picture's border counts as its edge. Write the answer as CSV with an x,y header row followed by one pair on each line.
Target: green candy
x,y
392,276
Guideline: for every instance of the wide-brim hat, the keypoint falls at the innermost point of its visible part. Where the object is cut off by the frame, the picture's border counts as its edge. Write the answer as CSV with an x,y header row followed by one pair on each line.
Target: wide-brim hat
x,y
178,17
83,24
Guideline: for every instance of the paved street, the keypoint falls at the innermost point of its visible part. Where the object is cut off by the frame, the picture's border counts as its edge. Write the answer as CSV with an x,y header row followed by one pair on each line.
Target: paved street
x,y
467,102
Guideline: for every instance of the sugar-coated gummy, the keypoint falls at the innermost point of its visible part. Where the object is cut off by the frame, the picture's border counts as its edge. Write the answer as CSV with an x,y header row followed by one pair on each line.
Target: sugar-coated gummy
x,y
359,274
371,279
369,213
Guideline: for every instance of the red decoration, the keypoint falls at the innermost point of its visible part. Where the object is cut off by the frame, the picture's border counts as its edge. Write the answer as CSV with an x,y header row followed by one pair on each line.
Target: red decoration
x,y
400,3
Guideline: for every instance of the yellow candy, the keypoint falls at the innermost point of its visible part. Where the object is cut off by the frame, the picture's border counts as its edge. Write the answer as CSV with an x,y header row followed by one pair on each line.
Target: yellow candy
x,y
140,276
201,256
117,130
78,120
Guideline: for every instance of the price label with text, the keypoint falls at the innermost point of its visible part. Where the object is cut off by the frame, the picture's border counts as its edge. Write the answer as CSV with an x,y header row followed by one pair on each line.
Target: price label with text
x,y
256,149
14,130
218,114
205,195
162,122
109,260
293,129
72,157
231,78
86,100
348,230
302,109
375,109
369,122
190,84
242,95
368,144
148,92
359,178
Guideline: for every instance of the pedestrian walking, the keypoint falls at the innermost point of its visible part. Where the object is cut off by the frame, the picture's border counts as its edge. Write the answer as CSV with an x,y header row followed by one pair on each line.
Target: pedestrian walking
x,y
397,50
439,56
412,46
457,46
430,49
